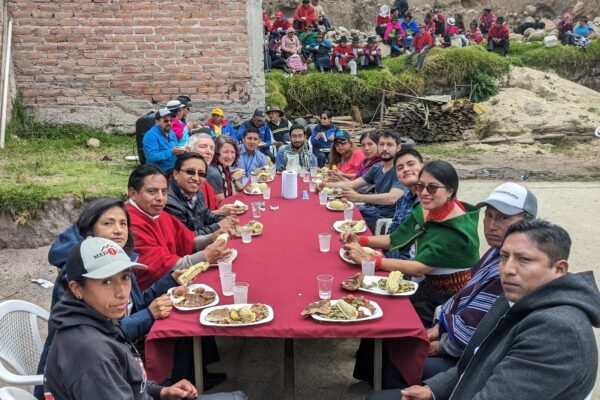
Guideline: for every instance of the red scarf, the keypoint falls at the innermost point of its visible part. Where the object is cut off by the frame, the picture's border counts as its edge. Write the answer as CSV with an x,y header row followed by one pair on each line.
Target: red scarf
x,y
442,213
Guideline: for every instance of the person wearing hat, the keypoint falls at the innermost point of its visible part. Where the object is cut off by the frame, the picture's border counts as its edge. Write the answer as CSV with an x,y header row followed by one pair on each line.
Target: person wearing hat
x,y
449,31
357,49
306,39
382,20
345,156
486,20
305,14
565,25
409,24
321,49
439,19
218,125
160,143
275,52
91,357
290,43
281,24
422,42
498,36
343,56
394,36
280,127
402,7
181,131
473,34
322,20
259,122
187,105
371,54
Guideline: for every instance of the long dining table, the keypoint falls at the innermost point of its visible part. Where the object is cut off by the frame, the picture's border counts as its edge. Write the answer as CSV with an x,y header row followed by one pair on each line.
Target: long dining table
x,y
281,265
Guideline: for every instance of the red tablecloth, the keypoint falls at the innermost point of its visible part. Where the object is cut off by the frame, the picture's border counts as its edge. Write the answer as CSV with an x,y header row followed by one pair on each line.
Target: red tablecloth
x,y
281,266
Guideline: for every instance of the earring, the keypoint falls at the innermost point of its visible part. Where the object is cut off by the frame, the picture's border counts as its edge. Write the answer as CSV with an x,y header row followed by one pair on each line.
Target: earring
x,y
79,298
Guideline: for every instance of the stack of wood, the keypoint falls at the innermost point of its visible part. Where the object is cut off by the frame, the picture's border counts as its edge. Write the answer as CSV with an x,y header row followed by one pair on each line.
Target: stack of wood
x,y
427,121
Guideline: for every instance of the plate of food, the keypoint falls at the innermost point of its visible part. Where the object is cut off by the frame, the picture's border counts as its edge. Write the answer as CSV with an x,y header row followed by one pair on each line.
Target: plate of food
x,y
232,256
239,207
350,226
257,228
393,285
347,309
237,315
332,192
338,205
371,252
193,297
255,188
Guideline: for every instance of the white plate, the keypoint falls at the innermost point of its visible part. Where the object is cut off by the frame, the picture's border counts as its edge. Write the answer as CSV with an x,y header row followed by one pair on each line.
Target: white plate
x,y
377,290
253,194
343,254
205,312
270,180
377,314
233,256
335,209
338,224
190,289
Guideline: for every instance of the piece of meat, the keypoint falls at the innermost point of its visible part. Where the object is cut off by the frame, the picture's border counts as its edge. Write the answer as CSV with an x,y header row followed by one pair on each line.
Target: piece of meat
x,y
321,307
180,291
220,316
199,290
353,283
359,302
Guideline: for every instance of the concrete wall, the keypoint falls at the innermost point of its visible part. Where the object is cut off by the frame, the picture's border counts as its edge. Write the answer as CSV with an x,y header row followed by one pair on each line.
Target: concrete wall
x,y
104,63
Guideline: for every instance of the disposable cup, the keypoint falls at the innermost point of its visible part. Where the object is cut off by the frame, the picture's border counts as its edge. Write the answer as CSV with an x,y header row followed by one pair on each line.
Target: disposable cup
x,y
368,267
312,186
227,283
224,267
253,179
240,293
348,212
322,198
267,193
246,234
324,284
324,242
313,172
256,206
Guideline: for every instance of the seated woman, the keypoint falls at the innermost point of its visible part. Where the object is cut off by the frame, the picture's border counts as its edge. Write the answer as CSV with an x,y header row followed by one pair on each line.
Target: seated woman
x,y
227,154
368,146
91,358
321,49
322,137
345,156
445,240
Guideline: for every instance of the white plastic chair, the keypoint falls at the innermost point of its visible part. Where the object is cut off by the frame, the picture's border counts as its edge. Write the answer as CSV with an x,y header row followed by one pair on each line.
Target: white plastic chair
x,y
381,226
597,134
13,393
20,342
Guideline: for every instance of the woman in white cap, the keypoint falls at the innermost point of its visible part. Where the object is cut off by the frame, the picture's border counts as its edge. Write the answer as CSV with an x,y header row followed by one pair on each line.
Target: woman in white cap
x,y
91,357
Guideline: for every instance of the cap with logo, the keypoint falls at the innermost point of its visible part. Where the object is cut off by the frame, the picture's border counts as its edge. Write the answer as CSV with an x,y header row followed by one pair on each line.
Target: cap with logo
x,y
341,136
163,112
174,105
97,258
259,114
512,199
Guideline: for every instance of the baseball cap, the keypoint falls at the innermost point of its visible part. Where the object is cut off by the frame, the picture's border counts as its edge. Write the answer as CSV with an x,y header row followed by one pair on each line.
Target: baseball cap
x,y
163,112
217,111
174,105
185,100
98,258
341,135
259,114
512,199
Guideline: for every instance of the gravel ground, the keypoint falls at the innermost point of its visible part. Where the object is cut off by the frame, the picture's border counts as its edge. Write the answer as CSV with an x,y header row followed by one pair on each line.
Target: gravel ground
x,y
324,367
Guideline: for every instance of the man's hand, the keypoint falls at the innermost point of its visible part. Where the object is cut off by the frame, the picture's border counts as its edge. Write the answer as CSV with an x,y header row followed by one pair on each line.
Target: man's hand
x,y
181,390
350,195
417,393
193,125
161,307
228,224
179,150
433,333
348,237
177,273
433,346
216,251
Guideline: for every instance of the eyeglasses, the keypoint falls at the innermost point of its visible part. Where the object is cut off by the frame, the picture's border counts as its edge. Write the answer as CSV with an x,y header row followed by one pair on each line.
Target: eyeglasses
x,y
167,121
192,172
432,188
340,142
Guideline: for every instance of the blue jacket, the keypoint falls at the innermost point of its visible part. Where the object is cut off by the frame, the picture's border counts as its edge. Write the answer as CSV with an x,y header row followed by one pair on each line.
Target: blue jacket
x,y
158,150
264,132
322,143
412,26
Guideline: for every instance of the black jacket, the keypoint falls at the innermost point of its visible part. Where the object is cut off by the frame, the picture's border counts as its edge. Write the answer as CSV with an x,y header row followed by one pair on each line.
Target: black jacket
x,y
199,220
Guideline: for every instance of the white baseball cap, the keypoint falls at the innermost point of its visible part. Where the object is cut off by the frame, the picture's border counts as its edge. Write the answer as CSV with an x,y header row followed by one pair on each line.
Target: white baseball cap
x,y
512,199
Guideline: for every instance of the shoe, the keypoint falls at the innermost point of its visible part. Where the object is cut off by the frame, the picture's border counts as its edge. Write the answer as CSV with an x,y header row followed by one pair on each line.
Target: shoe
x,y
212,379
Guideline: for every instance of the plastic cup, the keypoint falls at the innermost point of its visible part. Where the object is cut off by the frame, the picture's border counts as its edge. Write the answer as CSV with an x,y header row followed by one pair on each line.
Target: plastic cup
x,y
368,267
324,242
224,267
322,198
267,193
240,293
256,206
253,179
312,186
348,212
306,177
313,172
227,283
324,283
246,234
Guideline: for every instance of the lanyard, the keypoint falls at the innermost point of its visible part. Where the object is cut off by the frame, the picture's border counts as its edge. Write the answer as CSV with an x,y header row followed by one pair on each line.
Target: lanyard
x,y
248,165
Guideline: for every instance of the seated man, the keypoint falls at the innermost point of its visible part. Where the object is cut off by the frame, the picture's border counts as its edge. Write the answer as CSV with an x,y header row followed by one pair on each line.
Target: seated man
x,y
299,147
371,54
343,56
218,125
185,200
322,20
162,241
498,37
259,122
460,315
281,24
536,341
486,20
279,126
305,14
422,42
160,142
387,189
250,159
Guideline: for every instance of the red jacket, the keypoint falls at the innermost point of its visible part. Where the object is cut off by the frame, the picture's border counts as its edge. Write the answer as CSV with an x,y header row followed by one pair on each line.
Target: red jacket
x,y
160,244
498,32
341,50
209,196
422,40
283,24
267,22
474,35
309,13
382,20
369,48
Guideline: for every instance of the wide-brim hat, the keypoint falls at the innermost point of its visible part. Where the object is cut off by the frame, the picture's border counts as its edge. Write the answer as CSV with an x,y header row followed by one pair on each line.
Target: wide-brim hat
x,y
271,109
451,21
384,11
343,39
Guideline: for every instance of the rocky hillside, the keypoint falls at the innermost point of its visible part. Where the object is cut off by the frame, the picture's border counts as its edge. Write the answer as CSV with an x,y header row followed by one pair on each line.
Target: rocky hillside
x,y
361,14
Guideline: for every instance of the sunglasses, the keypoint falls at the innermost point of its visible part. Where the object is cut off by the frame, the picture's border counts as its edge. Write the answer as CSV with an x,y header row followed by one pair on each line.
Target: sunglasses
x,y
432,188
340,142
191,172
167,121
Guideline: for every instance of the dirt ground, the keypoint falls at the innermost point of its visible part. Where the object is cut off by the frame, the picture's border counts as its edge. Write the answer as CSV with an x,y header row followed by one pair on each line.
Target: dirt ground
x,y
324,367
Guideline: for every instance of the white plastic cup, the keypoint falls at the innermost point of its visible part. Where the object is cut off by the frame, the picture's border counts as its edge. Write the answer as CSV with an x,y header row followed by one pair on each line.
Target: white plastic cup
x,y
348,213
368,267
224,267
267,193
246,234
322,198
324,284
313,172
306,177
240,293
227,283
256,209
324,242
312,186
253,179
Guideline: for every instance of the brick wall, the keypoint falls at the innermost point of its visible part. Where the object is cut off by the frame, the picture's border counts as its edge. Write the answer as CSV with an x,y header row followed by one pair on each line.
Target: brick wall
x,y
106,62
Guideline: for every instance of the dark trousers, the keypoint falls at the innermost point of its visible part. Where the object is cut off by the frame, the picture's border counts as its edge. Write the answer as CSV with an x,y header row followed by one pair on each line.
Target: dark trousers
x,y
504,43
277,61
321,157
365,61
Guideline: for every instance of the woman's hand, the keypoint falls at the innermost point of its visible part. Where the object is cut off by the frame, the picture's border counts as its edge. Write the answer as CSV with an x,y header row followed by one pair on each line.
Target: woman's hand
x,y
355,252
238,174
348,237
433,333
161,306
228,224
